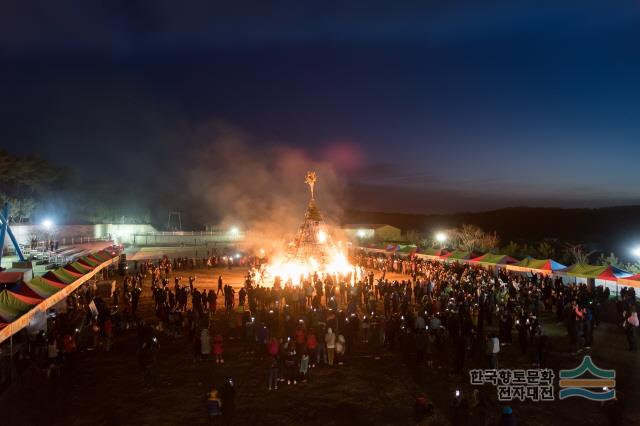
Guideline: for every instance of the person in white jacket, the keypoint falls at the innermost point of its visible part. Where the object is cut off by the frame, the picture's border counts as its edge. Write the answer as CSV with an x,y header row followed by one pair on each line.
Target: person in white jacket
x,y
330,340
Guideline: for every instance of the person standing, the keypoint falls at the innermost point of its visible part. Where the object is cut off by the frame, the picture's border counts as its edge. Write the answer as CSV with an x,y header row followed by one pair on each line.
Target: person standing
x,y
631,325
312,348
272,372
492,349
228,398
304,365
145,360
219,285
330,341
217,348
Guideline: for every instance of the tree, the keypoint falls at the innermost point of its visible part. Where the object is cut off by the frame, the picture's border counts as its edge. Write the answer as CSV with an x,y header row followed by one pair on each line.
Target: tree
x,y
512,249
24,181
633,267
544,250
577,254
609,260
472,238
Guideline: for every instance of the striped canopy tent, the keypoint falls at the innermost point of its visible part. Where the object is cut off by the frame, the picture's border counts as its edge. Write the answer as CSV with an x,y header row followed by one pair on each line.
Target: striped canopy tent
x,y
540,264
494,259
60,275
12,306
89,261
45,288
78,268
547,265
599,272
9,278
22,289
103,255
457,255
95,258
632,281
69,270
433,252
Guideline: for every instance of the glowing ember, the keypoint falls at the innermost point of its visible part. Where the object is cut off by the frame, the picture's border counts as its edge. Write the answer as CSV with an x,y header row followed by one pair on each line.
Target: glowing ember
x,y
295,271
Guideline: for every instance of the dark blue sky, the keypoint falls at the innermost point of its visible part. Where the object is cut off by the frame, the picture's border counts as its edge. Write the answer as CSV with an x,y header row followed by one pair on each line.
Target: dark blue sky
x,y
439,105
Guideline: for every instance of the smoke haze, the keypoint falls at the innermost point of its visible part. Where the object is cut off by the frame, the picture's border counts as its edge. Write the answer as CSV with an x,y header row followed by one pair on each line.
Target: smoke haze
x,y
258,188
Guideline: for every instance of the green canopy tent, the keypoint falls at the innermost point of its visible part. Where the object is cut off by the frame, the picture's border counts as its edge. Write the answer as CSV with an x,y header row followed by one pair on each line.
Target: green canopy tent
x,y
103,255
78,268
494,259
44,288
430,252
88,261
11,307
598,272
457,255
540,265
65,276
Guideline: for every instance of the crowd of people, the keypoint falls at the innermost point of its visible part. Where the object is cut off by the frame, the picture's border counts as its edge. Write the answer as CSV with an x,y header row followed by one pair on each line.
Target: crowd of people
x,y
441,316
445,316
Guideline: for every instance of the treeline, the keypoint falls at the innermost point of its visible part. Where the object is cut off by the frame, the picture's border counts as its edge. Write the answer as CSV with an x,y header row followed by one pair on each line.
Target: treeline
x,y
36,188
539,232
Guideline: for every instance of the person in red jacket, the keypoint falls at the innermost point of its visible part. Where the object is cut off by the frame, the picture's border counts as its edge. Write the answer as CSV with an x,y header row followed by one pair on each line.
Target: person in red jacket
x,y
312,347
217,349
273,347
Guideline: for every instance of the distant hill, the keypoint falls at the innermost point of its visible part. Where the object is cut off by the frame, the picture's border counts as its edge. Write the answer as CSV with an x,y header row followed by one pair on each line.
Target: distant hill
x,y
607,229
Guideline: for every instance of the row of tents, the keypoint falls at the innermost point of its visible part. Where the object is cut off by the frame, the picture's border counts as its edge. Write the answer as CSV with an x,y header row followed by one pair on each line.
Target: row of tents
x,y
18,297
528,264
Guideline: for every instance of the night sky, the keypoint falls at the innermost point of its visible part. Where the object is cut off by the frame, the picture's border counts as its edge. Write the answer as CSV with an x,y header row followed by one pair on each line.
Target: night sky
x,y
421,106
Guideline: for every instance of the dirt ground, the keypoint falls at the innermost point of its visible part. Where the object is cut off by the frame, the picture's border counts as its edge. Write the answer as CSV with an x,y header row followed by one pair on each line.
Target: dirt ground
x,y
373,387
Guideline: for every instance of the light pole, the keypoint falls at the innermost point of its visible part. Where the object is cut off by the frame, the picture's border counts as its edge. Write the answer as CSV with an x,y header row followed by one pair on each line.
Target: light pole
x,y
441,238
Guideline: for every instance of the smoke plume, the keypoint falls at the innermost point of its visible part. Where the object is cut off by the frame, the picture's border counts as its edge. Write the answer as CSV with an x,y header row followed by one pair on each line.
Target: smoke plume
x,y
259,187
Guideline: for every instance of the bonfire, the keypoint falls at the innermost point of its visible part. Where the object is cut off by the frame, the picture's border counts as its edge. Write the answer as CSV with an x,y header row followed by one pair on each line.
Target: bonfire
x,y
313,253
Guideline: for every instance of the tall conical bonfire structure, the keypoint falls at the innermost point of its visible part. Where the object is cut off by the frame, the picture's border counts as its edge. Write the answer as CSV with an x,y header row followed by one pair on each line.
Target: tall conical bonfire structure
x,y
312,240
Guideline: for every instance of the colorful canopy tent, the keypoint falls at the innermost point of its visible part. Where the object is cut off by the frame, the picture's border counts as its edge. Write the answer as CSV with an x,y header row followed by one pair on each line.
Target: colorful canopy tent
x,y
22,289
68,270
433,252
632,281
9,278
540,264
60,276
86,260
43,287
598,272
46,291
67,276
104,255
457,255
11,307
81,268
494,259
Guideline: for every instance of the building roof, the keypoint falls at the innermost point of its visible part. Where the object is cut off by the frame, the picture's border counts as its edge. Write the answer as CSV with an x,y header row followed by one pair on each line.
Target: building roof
x,y
367,226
